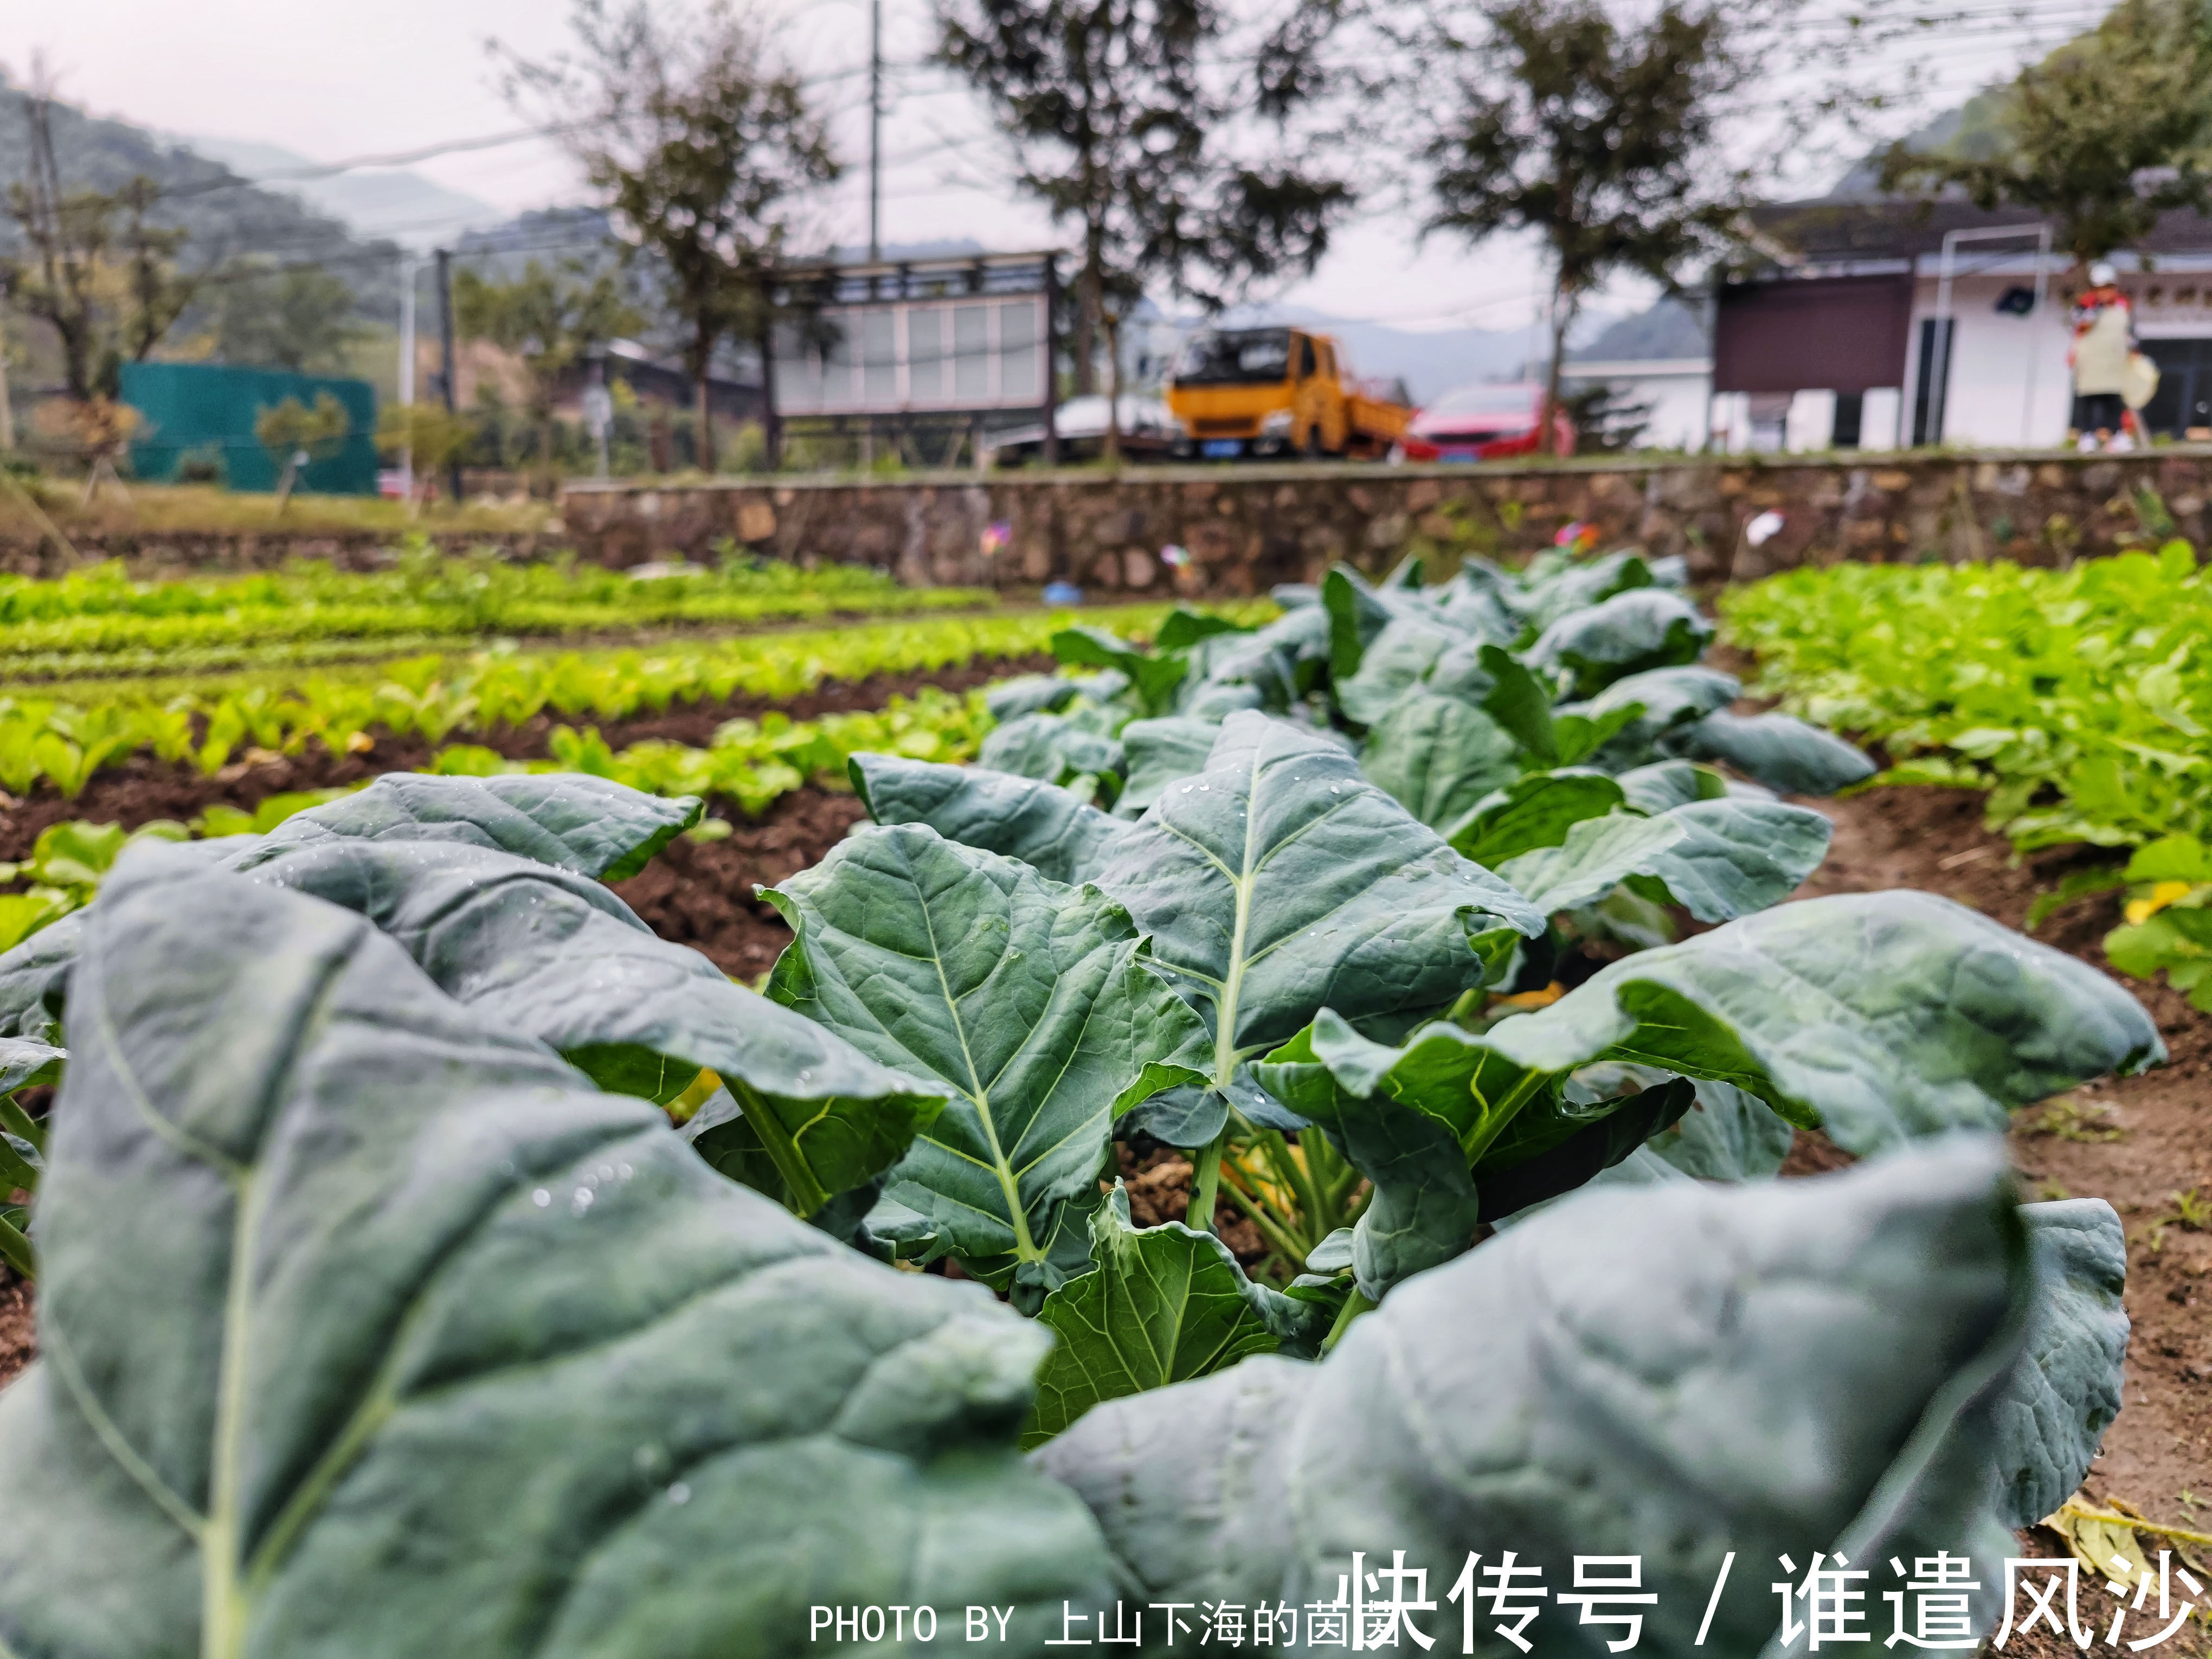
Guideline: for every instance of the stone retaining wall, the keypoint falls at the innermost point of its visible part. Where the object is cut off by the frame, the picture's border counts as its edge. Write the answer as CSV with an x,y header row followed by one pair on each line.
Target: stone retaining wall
x,y
1243,528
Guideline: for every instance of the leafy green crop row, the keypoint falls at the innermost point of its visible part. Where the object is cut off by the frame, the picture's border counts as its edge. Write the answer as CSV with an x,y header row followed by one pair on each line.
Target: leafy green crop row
x,y
103,610
752,762
365,1316
48,740
2080,699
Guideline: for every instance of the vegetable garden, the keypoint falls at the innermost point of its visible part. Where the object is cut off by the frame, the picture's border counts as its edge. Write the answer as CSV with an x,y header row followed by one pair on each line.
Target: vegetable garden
x,y
101,621
1290,1085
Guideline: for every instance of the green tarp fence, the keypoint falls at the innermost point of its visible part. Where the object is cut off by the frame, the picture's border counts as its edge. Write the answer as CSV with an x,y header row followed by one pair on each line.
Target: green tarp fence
x,y
209,410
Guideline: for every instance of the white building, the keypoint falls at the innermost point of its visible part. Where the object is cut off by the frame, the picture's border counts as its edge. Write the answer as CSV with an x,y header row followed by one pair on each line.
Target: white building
x,y
1886,324
1675,390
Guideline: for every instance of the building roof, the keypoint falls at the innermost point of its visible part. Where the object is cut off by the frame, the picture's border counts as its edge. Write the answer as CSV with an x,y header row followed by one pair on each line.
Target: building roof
x,y
1832,230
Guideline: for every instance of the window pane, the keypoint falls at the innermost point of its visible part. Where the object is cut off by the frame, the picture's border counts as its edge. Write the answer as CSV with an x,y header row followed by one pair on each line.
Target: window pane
x,y
837,362
925,355
879,359
1018,353
798,372
971,349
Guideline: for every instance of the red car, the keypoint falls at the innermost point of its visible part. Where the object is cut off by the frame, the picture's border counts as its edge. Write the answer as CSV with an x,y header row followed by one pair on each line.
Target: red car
x,y
1487,422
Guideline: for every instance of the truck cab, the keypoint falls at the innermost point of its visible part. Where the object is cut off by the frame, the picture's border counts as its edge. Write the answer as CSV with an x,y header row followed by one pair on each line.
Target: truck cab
x,y
1269,392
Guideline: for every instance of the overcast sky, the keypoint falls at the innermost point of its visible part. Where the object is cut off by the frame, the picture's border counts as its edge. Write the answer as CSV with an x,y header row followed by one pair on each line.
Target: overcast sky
x,y
333,82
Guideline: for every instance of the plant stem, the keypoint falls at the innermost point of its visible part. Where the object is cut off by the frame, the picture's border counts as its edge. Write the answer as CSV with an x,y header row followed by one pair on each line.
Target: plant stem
x,y
803,1192
18,1122
1205,1177
15,1250
1293,1174
1354,1305
1281,1242
1493,1122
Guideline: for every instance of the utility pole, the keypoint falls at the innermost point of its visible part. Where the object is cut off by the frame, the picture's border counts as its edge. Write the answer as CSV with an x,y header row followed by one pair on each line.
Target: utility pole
x,y
771,425
446,361
7,408
1051,361
875,131
410,266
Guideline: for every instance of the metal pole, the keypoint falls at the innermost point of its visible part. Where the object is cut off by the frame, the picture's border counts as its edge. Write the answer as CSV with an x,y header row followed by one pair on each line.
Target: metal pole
x,y
771,425
1939,383
446,361
410,266
2042,287
1051,365
875,131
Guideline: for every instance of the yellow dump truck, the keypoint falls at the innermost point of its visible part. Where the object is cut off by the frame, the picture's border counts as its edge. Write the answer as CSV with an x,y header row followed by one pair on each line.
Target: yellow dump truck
x,y
1280,392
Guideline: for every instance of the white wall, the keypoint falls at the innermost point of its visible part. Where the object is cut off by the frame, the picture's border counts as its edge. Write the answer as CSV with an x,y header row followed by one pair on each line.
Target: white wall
x,y
1675,389
2009,386
1811,423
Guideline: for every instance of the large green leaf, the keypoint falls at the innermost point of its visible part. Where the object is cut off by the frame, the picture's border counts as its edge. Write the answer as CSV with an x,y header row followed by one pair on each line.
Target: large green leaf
x,y
22,1144
1675,1373
1356,615
1152,677
1028,694
1451,1133
560,958
2177,940
1405,1133
1159,752
1184,629
1037,822
1279,882
1577,587
1585,1151
2065,1394
35,974
370,1329
1882,1017
1666,784
1779,751
1520,702
1401,659
586,825
1438,756
1726,1135
1644,627
1532,811
573,821
23,1063
1669,696
1166,1304
1719,860
1050,747
1879,1017
1031,1001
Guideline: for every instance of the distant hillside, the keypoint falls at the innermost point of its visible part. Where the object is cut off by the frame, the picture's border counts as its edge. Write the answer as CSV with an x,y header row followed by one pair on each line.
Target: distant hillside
x,y
226,218
1669,329
1428,363
379,202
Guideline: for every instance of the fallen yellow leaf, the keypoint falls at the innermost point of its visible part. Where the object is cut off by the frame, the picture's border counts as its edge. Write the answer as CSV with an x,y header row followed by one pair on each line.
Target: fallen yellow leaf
x,y
2140,910
1531,1000
701,1090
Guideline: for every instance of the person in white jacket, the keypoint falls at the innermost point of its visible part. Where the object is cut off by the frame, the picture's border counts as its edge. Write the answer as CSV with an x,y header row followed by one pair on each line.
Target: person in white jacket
x,y
2104,337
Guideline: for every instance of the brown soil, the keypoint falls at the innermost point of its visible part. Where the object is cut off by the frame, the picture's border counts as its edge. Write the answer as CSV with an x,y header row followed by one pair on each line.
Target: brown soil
x,y
1159,1183
143,788
701,893
2158,1455
19,1337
